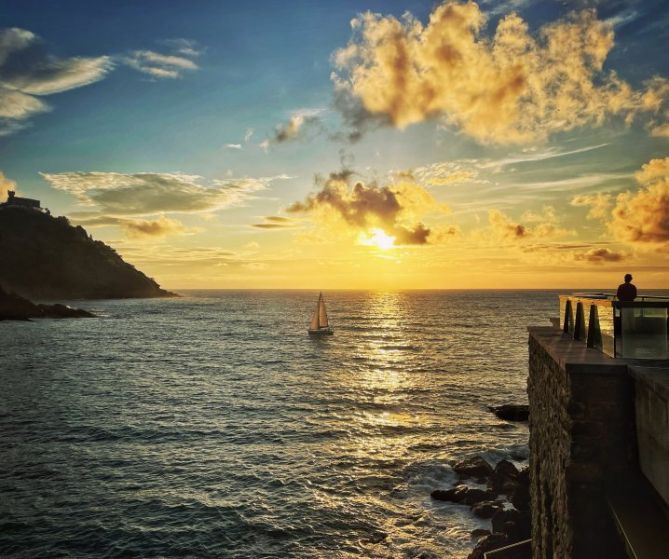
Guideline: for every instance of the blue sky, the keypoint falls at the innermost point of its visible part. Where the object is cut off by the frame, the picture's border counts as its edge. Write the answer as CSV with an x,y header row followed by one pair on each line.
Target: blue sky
x,y
181,90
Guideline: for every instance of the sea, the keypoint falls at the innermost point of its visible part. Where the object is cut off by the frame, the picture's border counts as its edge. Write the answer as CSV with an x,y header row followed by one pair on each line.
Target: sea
x,y
212,425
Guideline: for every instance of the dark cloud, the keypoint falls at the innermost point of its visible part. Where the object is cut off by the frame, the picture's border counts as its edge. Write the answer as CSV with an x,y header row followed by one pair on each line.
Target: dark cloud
x,y
133,228
599,255
364,207
358,121
275,222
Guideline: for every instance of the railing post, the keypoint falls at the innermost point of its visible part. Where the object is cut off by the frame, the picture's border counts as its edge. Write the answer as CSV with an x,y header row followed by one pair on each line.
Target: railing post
x,y
568,318
579,325
594,332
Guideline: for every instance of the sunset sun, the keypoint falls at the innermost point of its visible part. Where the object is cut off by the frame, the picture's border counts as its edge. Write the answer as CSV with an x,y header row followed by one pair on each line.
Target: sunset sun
x,y
377,238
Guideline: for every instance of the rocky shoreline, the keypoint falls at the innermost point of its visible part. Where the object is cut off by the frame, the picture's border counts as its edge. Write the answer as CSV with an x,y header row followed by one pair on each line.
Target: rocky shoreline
x,y
15,307
505,501
502,495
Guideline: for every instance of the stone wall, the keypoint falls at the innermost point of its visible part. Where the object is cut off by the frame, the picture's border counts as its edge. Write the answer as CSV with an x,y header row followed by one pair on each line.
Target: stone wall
x,y
582,441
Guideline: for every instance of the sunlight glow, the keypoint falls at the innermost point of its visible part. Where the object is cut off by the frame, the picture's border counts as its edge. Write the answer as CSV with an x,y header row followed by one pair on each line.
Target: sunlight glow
x,y
377,238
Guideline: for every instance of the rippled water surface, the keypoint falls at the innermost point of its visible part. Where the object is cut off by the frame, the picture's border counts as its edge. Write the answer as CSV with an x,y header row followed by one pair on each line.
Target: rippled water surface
x,y
213,426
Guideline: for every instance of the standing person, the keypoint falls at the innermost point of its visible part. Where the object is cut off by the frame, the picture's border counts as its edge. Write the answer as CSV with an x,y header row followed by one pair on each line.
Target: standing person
x,y
626,291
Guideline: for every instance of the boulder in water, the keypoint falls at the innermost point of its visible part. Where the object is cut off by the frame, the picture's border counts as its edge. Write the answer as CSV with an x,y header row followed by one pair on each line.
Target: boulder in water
x,y
15,307
504,478
479,533
475,496
511,412
486,509
493,541
473,467
454,495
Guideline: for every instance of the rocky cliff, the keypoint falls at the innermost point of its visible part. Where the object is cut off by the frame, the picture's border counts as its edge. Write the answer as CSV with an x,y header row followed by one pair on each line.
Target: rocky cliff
x,y
44,257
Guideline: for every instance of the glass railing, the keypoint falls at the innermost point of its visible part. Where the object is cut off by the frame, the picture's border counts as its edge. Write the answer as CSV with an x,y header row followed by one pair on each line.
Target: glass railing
x,y
633,330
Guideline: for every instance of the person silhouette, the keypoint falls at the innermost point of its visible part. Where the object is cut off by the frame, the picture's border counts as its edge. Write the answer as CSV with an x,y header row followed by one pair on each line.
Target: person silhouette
x,y
626,291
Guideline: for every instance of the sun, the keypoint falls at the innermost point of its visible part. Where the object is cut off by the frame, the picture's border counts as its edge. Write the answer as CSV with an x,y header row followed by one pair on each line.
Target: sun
x,y
377,238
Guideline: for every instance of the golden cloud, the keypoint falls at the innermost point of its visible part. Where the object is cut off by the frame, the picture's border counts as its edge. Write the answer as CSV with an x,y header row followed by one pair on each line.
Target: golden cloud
x,y
599,204
544,225
510,88
642,217
5,186
134,228
397,209
504,227
161,227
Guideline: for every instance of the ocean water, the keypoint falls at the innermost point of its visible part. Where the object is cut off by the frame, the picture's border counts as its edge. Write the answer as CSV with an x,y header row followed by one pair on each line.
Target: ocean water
x,y
212,426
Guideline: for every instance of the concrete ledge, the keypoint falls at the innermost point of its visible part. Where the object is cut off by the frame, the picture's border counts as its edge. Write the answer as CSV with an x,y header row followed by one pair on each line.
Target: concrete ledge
x,y
573,355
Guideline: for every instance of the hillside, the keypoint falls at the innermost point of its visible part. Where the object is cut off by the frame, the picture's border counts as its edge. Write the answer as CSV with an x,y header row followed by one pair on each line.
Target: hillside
x,y
44,257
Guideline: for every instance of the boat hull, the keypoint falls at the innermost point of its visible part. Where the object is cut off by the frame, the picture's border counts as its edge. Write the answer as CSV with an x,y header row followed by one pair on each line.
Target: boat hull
x,y
321,332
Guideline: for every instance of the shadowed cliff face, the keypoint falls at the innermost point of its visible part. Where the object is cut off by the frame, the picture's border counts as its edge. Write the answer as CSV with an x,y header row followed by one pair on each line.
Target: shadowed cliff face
x,y
44,257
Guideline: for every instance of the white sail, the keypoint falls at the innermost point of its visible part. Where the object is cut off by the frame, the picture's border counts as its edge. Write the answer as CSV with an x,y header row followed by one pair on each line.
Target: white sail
x,y
314,325
322,314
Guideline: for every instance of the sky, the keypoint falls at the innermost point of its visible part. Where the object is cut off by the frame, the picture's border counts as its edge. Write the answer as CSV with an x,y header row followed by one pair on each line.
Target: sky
x,y
350,144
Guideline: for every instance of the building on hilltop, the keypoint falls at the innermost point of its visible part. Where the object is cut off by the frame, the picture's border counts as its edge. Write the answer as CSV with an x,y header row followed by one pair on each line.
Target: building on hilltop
x,y
18,201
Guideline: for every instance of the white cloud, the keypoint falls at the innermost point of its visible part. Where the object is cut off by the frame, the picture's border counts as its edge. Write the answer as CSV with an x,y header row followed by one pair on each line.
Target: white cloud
x,y
16,105
532,155
158,65
233,146
28,71
120,194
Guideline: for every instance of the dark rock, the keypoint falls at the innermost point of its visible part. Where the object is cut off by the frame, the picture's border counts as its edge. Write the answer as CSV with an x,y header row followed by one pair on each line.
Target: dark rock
x,y
524,524
474,467
63,311
493,541
511,412
504,478
44,257
463,494
454,495
521,497
15,307
485,509
479,533
502,517
514,524
475,496
524,476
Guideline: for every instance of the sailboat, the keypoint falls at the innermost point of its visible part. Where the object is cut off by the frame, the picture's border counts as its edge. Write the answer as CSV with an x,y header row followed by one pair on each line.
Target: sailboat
x,y
319,324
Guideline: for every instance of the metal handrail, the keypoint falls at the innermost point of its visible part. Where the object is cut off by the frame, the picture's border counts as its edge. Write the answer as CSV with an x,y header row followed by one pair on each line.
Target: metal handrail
x,y
580,317
644,297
